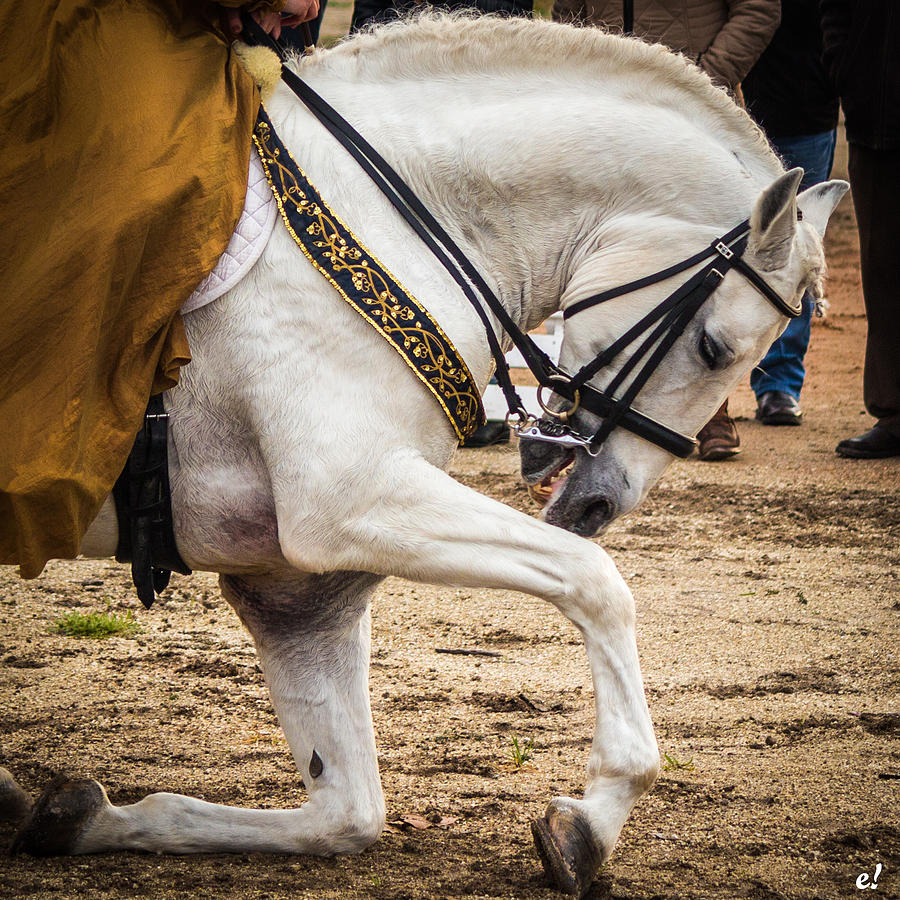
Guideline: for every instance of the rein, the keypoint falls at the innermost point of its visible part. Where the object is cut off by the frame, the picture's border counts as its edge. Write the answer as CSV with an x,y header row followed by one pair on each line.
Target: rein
x,y
666,322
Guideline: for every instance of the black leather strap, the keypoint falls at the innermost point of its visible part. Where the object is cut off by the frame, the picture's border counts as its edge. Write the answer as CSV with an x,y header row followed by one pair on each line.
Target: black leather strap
x,y
666,334
726,240
628,16
144,508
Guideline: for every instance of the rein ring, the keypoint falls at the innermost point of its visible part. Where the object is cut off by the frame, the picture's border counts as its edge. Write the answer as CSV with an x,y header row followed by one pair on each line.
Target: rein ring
x,y
562,415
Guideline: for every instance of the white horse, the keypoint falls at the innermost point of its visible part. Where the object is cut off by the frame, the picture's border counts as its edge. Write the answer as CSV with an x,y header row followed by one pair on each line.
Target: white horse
x,y
307,462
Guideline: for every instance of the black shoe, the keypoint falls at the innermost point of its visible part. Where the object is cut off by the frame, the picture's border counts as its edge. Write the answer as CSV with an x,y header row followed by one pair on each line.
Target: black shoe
x,y
876,443
778,408
492,432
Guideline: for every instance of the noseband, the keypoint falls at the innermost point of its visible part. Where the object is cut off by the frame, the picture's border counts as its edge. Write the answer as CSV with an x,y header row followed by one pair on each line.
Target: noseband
x,y
662,325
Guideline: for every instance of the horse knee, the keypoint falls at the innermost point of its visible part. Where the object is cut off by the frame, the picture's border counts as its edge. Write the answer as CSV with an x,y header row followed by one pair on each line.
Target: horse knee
x,y
365,829
597,596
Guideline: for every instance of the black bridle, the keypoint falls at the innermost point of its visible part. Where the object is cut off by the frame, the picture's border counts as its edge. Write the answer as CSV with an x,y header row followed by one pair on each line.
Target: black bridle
x,y
662,325
665,324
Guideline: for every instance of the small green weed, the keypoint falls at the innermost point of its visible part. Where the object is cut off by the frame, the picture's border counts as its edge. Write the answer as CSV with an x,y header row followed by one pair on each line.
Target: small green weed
x,y
670,764
801,598
96,624
521,753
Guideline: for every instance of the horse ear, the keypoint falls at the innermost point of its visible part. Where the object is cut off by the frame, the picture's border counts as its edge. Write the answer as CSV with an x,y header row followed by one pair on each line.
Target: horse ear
x,y
818,202
774,221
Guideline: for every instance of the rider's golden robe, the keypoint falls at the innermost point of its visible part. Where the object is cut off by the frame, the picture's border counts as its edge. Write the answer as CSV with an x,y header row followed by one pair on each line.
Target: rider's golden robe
x,y
123,165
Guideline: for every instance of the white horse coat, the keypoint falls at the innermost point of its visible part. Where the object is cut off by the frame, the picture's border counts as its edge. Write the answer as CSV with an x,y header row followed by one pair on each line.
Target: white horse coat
x,y
307,461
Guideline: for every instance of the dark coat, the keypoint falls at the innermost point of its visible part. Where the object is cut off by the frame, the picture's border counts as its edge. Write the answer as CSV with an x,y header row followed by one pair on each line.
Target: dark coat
x,y
862,55
788,91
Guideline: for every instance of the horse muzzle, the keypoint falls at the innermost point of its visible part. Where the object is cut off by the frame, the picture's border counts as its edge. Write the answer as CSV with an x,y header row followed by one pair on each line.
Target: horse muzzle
x,y
583,494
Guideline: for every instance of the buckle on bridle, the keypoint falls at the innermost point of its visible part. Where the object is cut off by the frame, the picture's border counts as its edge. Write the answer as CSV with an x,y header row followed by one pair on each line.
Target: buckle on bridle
x,y
724,250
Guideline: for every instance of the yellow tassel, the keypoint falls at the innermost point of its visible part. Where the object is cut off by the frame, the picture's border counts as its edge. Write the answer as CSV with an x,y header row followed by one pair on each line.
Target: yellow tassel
x,y
263,66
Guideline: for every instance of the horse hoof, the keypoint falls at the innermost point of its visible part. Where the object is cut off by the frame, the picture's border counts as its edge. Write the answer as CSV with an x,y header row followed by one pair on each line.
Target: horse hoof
x,y
567,849
59,817
15,804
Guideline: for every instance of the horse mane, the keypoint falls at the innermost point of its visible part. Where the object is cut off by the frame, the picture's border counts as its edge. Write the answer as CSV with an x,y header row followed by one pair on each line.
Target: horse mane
x,y
455,44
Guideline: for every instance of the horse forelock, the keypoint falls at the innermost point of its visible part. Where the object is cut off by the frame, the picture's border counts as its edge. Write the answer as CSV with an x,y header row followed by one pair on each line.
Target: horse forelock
x,y
455,45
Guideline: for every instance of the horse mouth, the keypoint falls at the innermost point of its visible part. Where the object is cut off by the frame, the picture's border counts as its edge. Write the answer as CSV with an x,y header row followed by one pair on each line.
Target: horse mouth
x,y
544,490
577,494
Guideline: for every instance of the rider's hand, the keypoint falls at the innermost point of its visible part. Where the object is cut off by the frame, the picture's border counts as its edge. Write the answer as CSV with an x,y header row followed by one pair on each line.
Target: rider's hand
x,y
293,13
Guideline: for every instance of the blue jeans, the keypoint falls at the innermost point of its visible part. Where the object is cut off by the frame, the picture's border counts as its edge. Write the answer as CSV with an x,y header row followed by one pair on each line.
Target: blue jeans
x,y
782,367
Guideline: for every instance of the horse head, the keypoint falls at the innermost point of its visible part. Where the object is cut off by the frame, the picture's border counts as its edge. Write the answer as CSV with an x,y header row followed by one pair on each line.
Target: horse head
x,y
727,336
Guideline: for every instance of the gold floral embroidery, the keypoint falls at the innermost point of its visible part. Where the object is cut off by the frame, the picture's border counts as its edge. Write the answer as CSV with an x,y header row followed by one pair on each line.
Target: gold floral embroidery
x,y
367,285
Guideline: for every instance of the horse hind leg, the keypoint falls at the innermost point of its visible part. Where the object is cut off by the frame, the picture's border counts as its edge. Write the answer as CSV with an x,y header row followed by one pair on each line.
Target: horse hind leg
x,y
312,635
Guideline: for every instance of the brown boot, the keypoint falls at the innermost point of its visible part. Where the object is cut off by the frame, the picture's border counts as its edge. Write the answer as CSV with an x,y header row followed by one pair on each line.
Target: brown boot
x,y
719,438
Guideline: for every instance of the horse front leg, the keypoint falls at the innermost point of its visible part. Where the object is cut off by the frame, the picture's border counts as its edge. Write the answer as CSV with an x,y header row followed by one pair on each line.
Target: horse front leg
x,y
427,527
313,637
15,803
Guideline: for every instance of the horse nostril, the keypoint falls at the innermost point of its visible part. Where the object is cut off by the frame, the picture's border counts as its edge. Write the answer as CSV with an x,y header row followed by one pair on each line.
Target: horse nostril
x,y
595,515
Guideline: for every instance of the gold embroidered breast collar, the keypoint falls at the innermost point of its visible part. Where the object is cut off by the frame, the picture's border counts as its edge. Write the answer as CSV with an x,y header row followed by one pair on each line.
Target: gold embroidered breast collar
x,y
365,283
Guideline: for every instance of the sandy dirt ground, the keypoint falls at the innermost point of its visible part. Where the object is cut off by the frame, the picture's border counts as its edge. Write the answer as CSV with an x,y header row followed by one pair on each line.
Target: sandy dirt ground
x,y
768,602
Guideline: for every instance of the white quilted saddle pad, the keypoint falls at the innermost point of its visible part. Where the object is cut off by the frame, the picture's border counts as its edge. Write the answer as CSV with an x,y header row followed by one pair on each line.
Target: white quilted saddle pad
x,y
246,244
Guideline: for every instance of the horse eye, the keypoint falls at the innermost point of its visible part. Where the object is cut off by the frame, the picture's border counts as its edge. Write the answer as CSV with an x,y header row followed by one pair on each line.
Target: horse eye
x,y
709,350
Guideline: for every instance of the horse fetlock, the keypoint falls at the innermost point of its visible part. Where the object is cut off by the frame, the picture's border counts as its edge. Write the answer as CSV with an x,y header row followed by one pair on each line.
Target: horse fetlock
x,y
351,829
61,817
569,851
631,778
644,780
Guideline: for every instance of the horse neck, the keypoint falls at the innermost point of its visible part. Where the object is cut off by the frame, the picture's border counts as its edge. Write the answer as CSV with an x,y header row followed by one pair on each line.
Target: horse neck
x,y
524,170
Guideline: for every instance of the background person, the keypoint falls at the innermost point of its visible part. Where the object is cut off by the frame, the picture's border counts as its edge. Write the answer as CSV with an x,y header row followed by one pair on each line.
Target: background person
x,y
789,94
862,55
724,37
377,12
